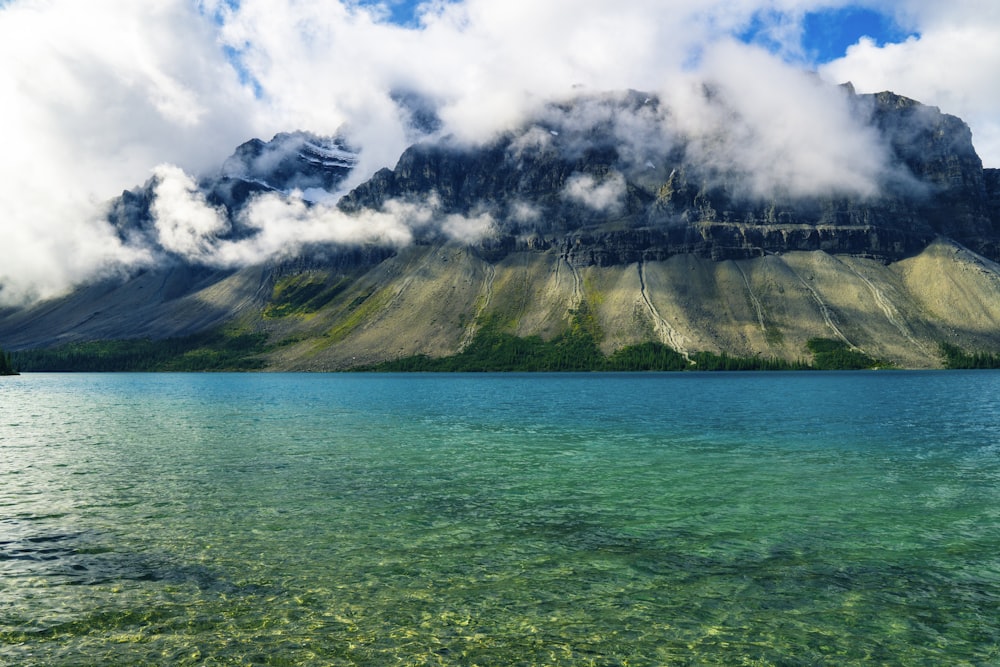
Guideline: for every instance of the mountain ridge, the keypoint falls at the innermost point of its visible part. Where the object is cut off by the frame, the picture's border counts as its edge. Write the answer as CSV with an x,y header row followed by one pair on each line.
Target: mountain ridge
x,y
593,202
935,149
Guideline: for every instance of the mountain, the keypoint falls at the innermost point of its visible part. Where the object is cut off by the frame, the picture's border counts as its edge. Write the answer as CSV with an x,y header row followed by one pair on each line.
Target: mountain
x,y
673,203
291,161
603,212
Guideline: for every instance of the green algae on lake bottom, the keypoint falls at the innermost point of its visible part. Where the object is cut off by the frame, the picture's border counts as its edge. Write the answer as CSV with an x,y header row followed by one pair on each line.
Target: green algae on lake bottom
x,y
603,519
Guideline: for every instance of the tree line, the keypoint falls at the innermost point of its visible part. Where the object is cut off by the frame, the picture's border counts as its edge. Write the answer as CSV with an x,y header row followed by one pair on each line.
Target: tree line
x,y
494,351
6,364
956,358
219,350
491,350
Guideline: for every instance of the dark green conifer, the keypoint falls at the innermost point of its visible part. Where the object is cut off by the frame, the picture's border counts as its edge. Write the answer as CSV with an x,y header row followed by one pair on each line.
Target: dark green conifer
x,y
6,365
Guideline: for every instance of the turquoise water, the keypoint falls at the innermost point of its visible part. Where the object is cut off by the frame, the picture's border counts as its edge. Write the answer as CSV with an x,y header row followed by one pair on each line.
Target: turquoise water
x,y
702,519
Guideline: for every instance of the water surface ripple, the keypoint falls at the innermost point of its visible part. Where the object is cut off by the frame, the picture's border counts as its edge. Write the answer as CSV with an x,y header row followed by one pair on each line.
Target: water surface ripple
x,y
591,519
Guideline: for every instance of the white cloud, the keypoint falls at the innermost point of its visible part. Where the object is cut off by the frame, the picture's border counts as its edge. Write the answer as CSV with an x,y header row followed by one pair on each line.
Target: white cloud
x,y
185,223
467,230
795,135
286,225
97,94
524,212
276,226
605,196
953,64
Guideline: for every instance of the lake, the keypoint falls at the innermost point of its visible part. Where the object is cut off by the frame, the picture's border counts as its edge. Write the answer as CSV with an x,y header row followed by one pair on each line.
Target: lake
x,y
580,519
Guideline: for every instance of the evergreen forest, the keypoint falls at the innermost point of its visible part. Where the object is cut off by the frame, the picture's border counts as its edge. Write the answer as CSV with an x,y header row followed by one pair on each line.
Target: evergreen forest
x,y
491,350
6,364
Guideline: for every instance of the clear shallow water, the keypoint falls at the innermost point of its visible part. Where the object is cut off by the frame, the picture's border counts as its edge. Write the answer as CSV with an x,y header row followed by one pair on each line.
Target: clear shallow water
x,y
728,519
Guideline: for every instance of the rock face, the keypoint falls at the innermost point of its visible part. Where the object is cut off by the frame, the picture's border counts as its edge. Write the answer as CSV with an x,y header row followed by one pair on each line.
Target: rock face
x,y
991,182
292,160
671,204
607,180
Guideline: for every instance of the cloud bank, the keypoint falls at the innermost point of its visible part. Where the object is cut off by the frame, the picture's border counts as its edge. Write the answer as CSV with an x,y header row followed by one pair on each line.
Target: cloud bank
x,y
98,94
279,225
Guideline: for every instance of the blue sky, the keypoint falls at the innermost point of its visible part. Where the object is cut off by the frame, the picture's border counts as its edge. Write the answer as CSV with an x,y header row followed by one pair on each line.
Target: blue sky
x,y
827,33
403,12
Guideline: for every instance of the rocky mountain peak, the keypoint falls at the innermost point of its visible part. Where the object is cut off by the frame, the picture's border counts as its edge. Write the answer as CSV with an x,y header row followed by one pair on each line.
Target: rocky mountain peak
x,y
613,205
293,160
613,177
602,167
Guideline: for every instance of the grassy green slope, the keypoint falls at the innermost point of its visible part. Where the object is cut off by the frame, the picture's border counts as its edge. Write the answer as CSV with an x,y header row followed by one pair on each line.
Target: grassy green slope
x,y
432,300
441,301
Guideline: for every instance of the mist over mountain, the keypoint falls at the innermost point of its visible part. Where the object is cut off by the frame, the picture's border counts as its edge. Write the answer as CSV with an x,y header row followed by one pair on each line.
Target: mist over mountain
x,y
291,162
875,175
609,165
622,181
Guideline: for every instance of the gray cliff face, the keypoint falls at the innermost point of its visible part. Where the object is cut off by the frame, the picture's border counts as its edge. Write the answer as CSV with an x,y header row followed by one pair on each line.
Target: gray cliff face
x,y
991,182
296,160
670,204
937,148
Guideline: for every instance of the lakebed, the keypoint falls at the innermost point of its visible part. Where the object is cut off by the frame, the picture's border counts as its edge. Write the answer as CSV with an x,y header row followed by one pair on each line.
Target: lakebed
x,y
599,518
